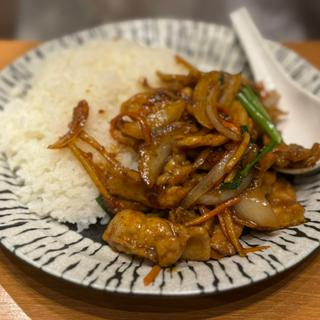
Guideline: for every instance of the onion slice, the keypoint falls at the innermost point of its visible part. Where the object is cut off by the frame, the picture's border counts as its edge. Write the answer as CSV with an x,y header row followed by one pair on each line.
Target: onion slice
x,y
240,151
200,99
192,69
213,116
145,129
216,197
254,207
210,180
152,159
79,119
87,163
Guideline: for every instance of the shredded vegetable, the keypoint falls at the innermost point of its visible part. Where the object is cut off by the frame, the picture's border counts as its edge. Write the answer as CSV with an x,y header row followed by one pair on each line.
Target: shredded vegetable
x,y
151,276
220,208
257,112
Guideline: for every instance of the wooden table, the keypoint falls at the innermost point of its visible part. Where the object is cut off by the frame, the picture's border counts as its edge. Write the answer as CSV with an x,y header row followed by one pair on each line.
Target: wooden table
x,y
27,292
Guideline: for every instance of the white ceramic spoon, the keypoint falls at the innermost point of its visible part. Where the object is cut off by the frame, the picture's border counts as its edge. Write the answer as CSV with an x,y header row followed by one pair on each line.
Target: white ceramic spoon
x,y
302,122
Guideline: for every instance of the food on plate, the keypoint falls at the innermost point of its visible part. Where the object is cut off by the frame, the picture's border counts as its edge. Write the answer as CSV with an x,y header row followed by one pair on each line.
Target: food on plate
x,y
182,161
207,148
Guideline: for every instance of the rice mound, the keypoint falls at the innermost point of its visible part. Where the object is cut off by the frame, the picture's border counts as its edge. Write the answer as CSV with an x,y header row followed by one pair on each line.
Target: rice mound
x,y
105,73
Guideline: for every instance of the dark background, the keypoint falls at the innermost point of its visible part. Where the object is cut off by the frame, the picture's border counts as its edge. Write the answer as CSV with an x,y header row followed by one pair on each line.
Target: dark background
x,y
290,20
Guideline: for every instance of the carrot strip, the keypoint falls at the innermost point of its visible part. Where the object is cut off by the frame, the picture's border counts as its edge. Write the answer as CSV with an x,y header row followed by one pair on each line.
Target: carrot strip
x,y
151,276
234,239
220,208
254,249
245,223
231,232
223,226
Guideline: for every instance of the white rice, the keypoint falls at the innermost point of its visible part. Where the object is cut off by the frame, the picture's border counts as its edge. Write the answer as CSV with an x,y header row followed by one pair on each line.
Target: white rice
x,y
103,73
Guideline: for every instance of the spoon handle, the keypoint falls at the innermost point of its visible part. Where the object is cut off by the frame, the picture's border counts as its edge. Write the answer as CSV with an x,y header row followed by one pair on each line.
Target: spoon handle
x,y
262,62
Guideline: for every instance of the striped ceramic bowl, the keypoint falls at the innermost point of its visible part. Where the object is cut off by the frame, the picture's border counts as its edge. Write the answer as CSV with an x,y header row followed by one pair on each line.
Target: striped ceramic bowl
x,y
81,257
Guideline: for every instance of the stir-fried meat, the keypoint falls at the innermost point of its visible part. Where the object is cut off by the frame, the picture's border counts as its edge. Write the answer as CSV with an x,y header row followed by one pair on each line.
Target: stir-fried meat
x,y
198,245
282,199
172,196
291,156
156,239
194,141
206,149
115,204
176,171
180,215
122,185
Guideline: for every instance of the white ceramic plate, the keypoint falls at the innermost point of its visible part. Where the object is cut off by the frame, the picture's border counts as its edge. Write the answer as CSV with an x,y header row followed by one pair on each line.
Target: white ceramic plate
x,y
83,258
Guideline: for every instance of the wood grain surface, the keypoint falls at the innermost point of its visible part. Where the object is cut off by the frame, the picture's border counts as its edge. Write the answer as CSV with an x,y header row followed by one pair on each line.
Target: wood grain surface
x,y
26,292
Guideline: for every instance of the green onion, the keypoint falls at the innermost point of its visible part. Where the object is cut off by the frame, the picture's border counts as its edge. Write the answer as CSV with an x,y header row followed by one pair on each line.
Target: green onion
x,y
258,113
248,91
262,153
234,184
244,129
245,171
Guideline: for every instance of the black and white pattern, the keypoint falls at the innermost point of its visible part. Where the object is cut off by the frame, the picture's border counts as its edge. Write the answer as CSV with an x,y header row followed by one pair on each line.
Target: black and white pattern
x,y
81,258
